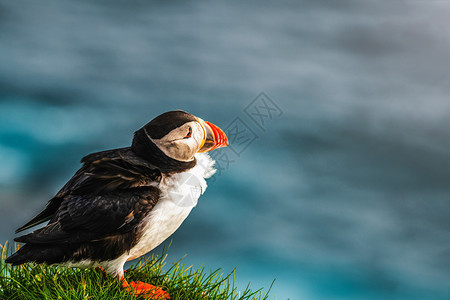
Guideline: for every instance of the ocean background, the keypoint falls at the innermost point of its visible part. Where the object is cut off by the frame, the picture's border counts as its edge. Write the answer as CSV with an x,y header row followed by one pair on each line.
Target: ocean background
x,y
337,179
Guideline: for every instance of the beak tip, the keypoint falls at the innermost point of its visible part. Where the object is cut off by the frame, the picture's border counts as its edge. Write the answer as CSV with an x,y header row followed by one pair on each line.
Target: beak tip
x,y
220,138
225,142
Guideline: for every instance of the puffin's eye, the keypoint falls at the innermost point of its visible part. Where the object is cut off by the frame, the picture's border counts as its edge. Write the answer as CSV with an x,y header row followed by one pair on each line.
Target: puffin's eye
x,y
189,134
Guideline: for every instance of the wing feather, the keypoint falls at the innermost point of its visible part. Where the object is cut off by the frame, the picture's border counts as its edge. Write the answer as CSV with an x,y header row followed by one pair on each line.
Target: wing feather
x,y
84,219
102,173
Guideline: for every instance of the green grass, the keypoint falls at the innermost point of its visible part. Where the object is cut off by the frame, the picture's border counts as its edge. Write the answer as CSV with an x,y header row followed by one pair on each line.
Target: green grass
x,y
39,281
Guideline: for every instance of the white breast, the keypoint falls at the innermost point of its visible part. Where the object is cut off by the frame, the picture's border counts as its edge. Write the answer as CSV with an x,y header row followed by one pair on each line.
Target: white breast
x,y
179,194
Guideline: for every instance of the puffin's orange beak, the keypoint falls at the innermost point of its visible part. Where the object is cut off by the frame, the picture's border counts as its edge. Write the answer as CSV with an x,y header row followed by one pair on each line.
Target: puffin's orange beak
x,y
214,137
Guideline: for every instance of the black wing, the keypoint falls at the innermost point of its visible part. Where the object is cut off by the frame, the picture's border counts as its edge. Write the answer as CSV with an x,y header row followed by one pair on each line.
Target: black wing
x,y
82,218
100,228
102,173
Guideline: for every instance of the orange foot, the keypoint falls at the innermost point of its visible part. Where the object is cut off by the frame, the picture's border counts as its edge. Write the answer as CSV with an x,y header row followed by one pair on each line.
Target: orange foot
x,y
150,291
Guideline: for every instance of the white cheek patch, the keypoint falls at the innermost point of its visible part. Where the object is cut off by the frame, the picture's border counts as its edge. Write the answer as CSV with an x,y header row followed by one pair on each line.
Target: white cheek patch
x,y
178,150
198,134
175,146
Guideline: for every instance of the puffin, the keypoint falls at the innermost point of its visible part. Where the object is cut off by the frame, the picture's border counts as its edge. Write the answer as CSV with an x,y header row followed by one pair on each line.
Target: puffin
x,y
122,203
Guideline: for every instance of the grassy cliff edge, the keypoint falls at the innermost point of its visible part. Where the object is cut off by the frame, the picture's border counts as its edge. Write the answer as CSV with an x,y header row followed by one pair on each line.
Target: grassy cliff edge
x,y
33,281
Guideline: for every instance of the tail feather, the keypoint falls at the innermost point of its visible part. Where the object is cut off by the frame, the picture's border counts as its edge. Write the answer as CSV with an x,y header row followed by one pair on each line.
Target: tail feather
x,y
38,254
17,259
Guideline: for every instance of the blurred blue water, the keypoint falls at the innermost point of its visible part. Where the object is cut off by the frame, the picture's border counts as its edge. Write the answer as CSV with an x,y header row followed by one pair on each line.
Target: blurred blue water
x,y
344,196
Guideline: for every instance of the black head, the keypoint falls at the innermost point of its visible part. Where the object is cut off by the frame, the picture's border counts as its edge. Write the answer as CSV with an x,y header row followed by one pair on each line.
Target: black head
x,y
166,122
171,140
